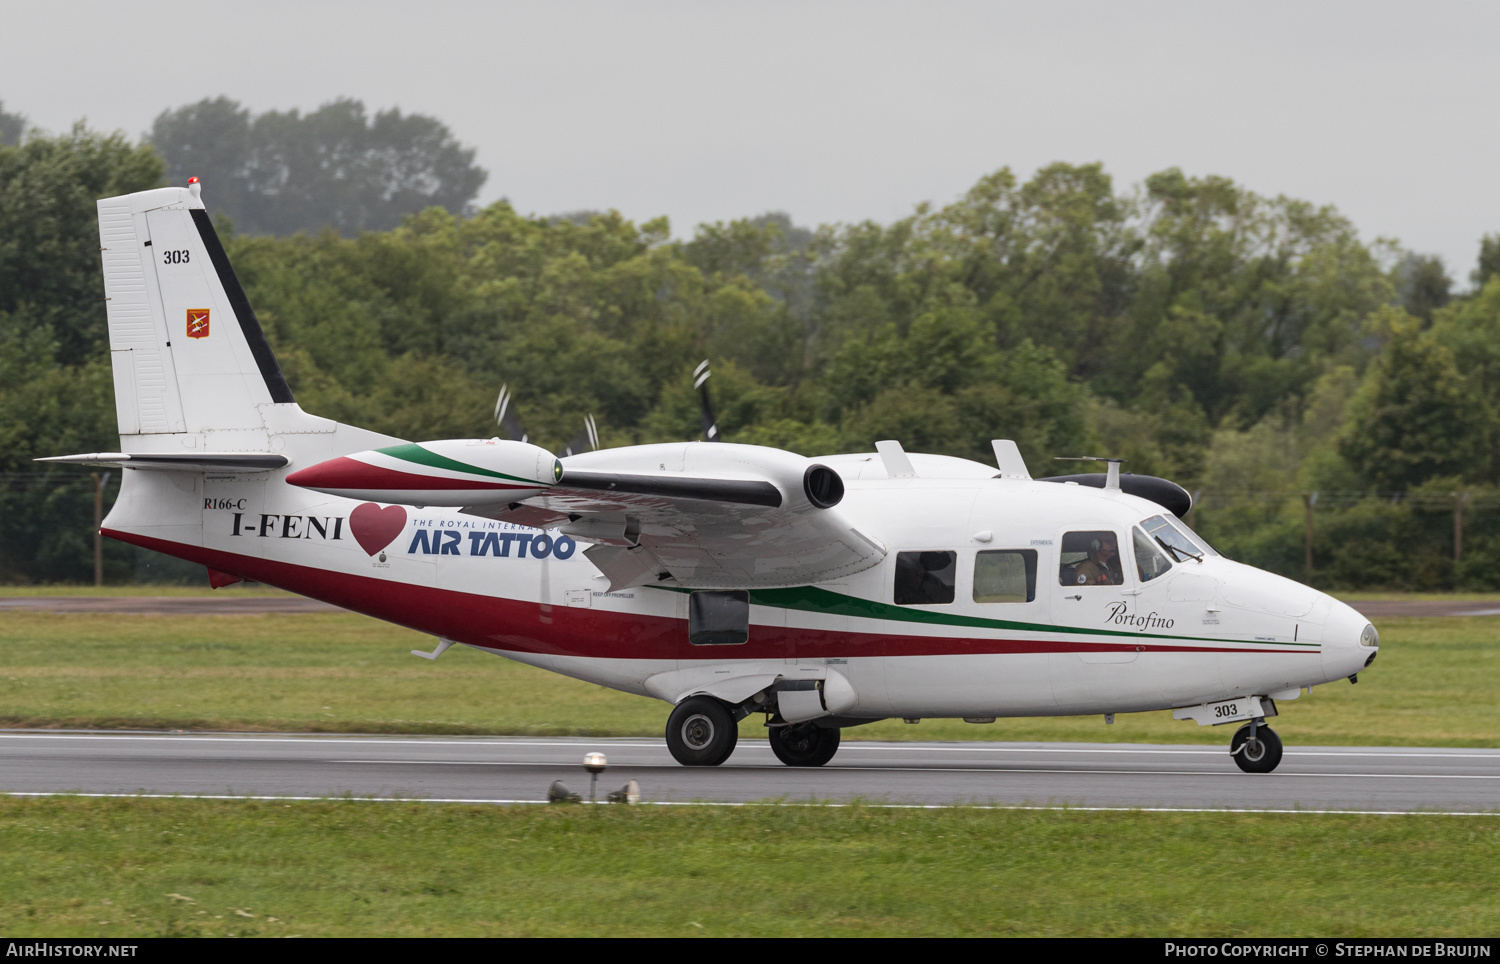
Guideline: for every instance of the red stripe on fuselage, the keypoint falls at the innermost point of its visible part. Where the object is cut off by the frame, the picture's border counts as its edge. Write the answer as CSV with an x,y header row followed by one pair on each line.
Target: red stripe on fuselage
x,y
347,473
495,622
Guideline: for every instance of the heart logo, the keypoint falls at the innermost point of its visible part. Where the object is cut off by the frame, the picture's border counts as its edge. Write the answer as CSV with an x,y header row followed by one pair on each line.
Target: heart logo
x,y
374,527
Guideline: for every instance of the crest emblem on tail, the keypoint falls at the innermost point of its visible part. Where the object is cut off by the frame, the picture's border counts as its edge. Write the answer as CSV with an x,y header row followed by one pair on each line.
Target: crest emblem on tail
x,y
197,322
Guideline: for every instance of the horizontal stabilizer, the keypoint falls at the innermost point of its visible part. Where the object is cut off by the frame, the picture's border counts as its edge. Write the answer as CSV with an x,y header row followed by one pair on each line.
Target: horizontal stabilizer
x,y
184,462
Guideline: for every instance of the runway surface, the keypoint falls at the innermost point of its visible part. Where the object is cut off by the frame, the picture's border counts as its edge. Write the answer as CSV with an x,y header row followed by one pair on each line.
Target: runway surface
x,y
232,605
519,770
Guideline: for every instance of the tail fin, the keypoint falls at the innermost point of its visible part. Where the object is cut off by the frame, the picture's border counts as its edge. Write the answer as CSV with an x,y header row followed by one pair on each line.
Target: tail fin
x,y
189,355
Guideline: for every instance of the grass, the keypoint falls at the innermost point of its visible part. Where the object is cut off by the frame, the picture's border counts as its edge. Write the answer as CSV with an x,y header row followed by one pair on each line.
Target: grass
x,y
1436,684
1365,596
136,867
238,589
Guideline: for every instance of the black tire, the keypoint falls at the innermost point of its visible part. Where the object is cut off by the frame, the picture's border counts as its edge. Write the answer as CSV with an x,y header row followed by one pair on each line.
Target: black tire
x,y
701,732
1263,756
804,744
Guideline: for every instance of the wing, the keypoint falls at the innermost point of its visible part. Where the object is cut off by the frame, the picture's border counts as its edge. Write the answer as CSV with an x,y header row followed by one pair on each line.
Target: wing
x,y
701,516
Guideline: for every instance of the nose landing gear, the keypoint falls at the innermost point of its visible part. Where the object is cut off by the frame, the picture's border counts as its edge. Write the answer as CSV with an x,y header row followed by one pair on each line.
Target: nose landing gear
x,y
1256,748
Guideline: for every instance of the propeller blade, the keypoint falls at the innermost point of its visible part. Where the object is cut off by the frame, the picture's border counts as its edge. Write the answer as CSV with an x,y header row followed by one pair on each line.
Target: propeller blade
x,y
509,421
585,441
706,406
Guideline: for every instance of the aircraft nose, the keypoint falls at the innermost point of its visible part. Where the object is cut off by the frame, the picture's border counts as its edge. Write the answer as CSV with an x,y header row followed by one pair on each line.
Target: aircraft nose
x,y
1350,641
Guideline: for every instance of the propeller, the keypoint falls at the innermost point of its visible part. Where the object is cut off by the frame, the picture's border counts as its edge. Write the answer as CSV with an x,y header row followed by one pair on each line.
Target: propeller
x,y
700,382
585,441
508,420
510,424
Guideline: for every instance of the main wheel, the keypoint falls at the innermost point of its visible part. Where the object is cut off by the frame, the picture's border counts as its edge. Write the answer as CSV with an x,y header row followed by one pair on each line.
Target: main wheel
x,y
1260,755
701,732
804,744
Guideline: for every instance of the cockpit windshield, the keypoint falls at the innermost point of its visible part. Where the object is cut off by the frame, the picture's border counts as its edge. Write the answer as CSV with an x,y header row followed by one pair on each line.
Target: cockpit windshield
x,y
1177,539
1194,537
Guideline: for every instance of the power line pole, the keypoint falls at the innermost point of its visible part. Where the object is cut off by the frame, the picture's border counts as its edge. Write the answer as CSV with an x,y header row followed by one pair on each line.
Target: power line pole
x,y
1309,499
100,481
1459,499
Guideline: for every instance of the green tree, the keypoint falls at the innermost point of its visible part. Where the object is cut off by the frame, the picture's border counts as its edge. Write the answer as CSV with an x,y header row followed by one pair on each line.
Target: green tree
x,y
1244,300
56,395
773,338
1489,261
12,126
49,233
1416,416
284,172
1423,285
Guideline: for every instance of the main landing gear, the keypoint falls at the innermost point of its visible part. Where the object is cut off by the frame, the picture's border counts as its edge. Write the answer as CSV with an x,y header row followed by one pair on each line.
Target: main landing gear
x,y
804,744
1256,748
701,732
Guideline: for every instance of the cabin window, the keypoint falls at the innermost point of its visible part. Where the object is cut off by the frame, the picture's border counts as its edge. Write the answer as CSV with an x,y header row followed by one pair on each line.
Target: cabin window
x,y
1149,561
1005,576
719,618
1090,559
925,578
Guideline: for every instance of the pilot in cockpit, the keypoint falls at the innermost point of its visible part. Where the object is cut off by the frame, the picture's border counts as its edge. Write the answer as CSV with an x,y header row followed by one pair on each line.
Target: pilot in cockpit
x,y
1102,567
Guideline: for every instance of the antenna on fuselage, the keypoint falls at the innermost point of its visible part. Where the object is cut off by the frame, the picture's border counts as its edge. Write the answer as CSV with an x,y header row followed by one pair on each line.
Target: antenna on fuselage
x,y
1112,480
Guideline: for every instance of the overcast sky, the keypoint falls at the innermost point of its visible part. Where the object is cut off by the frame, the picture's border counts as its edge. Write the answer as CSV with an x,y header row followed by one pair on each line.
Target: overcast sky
x,y
837,111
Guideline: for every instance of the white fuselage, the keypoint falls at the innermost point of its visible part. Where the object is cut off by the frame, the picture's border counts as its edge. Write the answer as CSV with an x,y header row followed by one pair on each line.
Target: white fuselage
x,y
1203,631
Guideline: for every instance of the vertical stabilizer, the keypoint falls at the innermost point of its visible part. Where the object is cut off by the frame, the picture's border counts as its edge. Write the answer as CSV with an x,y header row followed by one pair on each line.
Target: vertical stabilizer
x,y
189,355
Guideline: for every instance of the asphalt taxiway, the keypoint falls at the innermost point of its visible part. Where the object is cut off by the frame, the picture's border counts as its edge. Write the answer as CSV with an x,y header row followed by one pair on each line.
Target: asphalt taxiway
x,y
519,770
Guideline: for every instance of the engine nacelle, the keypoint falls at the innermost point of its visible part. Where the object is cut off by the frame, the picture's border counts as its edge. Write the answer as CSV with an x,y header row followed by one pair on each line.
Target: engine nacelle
x,y
449,472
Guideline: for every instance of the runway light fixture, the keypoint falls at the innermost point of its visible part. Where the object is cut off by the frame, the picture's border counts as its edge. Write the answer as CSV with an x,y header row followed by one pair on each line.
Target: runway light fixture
x,y
595,764
557,793
629,793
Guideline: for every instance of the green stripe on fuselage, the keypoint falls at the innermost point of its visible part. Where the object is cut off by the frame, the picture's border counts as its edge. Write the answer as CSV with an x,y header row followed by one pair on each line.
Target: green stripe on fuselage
x,y
814,600
412,452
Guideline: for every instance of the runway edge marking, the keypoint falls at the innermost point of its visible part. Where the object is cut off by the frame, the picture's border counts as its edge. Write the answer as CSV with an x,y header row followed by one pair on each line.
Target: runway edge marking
x,y
761,803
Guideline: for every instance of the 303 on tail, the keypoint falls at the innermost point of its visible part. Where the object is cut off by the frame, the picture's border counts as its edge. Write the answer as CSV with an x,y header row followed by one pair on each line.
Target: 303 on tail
x,y
722,579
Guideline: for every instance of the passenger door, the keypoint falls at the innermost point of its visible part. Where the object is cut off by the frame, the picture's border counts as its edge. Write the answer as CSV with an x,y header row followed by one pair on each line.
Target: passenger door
x,y
1091,585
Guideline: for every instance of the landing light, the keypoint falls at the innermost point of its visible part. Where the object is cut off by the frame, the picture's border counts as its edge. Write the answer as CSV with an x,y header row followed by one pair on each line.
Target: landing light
x,y
1369,637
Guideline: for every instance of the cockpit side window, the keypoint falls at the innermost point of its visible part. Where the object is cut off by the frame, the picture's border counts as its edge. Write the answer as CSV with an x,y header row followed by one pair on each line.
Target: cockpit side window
x,y
924,578
1090,559
1149,561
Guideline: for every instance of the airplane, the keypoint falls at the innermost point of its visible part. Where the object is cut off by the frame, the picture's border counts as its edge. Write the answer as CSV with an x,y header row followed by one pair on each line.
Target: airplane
x,y
722,579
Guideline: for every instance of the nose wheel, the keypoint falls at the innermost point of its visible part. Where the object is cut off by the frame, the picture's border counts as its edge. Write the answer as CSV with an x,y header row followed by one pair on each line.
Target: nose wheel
x,y
1256,748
